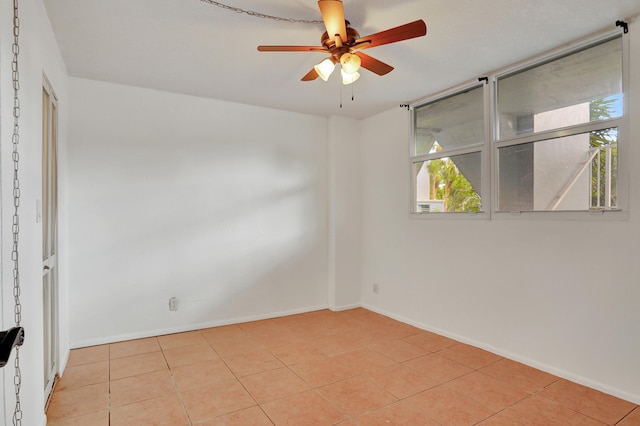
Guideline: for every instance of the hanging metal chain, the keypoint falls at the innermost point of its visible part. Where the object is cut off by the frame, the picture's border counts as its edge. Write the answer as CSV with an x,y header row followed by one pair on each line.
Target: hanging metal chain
x,y
15,76
262,15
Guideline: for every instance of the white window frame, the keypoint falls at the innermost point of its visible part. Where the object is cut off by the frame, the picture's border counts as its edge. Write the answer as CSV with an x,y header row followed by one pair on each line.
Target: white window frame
x,y
483,148
491,144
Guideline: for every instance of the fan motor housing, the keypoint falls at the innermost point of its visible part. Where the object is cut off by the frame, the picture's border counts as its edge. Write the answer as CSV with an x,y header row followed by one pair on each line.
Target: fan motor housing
x,y
330,43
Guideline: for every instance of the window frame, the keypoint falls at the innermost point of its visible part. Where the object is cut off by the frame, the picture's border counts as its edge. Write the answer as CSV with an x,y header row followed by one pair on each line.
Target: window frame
x,y
481,147
491,146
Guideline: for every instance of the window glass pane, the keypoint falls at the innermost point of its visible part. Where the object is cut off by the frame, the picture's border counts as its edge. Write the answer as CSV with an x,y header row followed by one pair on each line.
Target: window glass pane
x,y
449,184
577,172
576,89
453,122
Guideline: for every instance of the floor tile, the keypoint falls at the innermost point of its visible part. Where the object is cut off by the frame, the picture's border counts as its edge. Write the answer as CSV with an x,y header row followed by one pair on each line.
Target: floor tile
x,y
501,419
307,408
362,360
278,337
348,368
83,375
88,355
141,387
137,364
134,347
274,384
369,338
600,406
215,400
488,391
201,374
401,413
438,367
77,402
177,340
401,381
165,411
291,320
470,356
329,327
633,419
538,411
185,355
237,345
519,375
95,419
294,353
319,315
252,363
222,332
399,350
319,373
258,326
253,416
356,395
400,330
337,344
430,341
448,407
377,320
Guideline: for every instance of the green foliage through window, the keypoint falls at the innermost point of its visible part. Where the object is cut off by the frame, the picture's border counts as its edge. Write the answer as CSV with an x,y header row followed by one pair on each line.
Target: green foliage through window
x,y
448,184
604,167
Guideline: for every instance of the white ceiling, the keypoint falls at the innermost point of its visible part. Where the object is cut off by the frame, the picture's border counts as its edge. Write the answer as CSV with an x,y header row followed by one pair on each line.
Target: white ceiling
x,y
196,48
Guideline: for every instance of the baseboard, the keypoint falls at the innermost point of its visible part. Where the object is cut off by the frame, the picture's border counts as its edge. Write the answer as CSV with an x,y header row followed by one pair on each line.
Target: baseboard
x,y
627,396
188,327
345,307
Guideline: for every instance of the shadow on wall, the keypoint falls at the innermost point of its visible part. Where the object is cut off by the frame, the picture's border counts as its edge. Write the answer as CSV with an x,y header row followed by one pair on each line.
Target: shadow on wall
x,y
230,231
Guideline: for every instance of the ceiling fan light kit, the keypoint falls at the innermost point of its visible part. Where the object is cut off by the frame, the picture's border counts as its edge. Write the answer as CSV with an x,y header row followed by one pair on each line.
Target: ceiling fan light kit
x,y
348,78
325,68
350,63
344,45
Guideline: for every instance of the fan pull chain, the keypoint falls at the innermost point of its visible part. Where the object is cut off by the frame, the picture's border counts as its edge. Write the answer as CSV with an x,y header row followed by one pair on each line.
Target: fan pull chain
x,y
353,97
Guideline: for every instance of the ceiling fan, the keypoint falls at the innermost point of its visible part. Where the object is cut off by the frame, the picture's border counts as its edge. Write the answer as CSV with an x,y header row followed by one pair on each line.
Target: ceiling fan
x,y
343,43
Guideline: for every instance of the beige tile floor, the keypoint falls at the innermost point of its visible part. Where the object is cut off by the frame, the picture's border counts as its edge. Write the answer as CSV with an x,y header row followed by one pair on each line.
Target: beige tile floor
x,y
321,368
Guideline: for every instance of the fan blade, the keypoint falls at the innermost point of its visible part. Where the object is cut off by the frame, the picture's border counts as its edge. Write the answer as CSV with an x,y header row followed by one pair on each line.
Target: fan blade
x,y
333,16
291,49
311,75
403,32
374,65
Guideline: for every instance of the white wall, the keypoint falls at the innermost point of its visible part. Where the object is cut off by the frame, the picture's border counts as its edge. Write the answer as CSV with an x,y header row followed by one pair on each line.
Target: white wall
x,y
559,295
345,158
220,205
38,54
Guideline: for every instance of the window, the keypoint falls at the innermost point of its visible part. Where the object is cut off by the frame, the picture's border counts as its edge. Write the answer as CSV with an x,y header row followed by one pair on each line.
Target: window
x,y
557,132
447,154
554,123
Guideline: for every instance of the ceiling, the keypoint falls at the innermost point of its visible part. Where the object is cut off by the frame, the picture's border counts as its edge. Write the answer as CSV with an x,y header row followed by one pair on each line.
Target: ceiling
x,y
196,48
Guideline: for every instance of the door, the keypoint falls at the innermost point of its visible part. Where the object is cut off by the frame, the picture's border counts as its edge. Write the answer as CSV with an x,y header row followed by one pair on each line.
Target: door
x,y
49,216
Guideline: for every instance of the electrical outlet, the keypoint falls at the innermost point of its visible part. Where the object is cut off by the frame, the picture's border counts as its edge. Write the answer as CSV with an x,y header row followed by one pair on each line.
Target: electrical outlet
x,y
173,304
376,288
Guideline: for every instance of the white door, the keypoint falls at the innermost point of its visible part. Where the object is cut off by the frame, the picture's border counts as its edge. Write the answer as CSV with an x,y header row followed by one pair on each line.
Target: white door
x,y
49,211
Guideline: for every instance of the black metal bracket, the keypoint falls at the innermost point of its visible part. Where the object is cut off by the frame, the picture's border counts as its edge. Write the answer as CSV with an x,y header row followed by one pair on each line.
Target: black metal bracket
x,y
624,25
406,106
8,340
485,79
